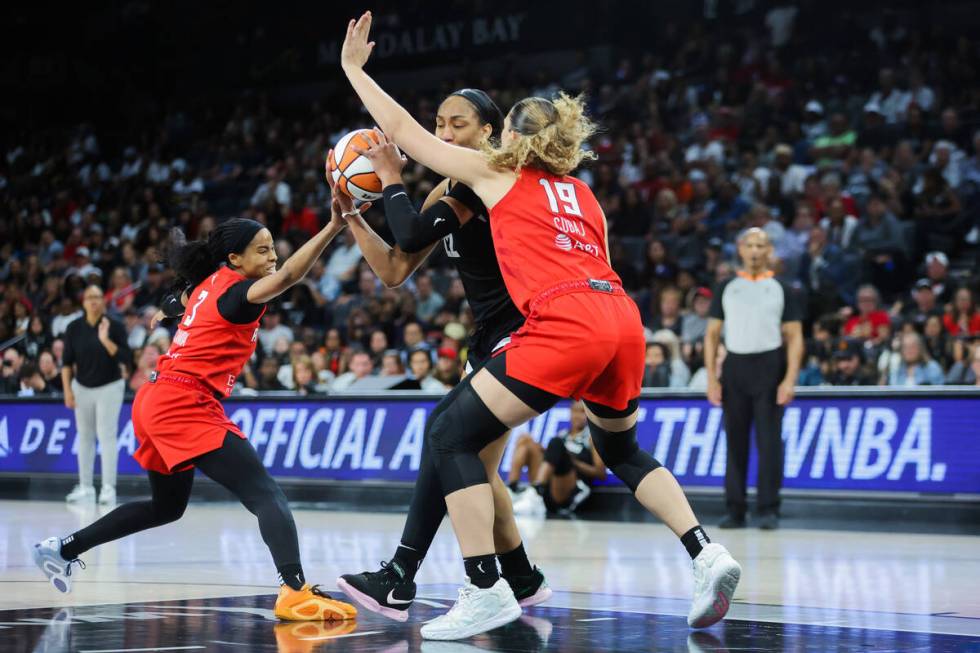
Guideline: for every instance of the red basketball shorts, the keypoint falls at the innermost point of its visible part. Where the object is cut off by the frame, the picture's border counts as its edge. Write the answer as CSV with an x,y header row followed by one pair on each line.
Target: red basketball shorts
x,y
175,423
583,344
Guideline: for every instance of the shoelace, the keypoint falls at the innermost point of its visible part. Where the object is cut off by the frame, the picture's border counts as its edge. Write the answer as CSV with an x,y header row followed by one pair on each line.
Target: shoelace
x,y
72,562
316,591
465,593
388,569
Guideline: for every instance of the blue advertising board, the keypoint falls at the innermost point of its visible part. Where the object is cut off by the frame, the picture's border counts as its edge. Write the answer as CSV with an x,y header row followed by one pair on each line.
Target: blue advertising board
x,y
922,443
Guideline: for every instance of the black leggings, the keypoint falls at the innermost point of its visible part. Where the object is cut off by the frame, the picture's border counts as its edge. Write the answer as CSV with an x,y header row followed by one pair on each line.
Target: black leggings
x,y
235,466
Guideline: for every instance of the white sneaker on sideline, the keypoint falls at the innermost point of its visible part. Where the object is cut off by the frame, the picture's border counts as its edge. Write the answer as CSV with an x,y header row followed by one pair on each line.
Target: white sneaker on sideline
x,y
716,576
107,497
81,493
529,503
47,556
475,611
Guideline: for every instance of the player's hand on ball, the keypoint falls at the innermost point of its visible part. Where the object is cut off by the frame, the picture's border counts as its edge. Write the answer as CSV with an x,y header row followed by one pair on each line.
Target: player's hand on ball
x,y
341,205
357,49
386,159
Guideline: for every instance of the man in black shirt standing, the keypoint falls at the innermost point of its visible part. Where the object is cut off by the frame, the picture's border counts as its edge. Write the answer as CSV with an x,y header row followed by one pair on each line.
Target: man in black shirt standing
x,y
759,314
95,351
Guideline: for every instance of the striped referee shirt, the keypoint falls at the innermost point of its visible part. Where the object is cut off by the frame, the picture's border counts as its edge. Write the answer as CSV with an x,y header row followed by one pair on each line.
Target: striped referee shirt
x,y
754,309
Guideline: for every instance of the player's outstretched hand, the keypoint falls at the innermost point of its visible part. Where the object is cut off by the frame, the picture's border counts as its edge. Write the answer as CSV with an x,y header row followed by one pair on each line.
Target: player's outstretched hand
x,y
386,159
357,49
341,205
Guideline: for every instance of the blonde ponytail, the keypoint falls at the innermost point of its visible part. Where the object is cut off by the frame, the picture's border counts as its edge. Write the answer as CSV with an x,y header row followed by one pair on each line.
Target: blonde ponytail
x,y
550,134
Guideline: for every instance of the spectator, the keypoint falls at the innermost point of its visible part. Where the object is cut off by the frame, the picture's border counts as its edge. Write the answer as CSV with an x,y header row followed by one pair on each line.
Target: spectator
x,y
269,375
656,373
937,342
343,263
274,193
937,271
669,314
272,330
68,312
915,368
13,360
937,212
49,370
680,374
360,367
301,219
699,380
447,367
420,365
428,301
848,366
840,226
889,98
32,383
695,322
304,376
963,319
967,371
96,354
879,239
703,150
924,305
391,363
835,146
121,292
146,364
871,323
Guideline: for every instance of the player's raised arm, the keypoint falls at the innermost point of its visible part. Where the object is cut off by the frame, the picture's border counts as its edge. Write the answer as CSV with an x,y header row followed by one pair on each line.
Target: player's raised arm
x,y
298,265
459,163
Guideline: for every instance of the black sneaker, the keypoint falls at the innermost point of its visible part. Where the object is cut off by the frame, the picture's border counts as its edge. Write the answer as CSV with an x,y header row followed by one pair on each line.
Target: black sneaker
x,y
732,521
529,590
385,591
768,521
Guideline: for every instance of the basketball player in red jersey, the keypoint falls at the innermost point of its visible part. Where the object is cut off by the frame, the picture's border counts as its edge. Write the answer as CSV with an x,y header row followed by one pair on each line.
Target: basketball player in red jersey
x,y
181,425
582,338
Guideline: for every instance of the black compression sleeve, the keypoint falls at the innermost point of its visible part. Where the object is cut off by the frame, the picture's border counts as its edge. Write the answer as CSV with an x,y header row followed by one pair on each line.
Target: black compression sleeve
x,y
415,231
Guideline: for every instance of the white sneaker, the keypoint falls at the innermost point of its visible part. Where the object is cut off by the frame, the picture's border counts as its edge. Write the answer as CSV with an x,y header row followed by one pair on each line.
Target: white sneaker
x,y
47,556
529,502
81,493
716,575
107,497
475,611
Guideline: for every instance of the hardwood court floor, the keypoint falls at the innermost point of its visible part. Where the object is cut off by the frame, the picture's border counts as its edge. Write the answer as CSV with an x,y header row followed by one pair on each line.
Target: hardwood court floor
x,y
206,583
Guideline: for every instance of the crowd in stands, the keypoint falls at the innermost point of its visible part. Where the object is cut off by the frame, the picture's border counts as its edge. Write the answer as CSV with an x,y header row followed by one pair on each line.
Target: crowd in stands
x,y
867,183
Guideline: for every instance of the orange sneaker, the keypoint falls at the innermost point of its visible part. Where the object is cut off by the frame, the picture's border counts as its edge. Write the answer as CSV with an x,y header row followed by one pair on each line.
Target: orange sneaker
x,y
306,636
311,604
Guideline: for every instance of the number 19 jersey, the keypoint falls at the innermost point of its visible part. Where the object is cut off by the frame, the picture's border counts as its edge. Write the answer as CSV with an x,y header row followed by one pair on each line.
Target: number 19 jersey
x,y
548,230
206,346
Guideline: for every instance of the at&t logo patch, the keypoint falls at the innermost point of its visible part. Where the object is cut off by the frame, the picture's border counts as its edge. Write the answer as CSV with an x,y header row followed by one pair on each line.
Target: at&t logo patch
x,y
563,242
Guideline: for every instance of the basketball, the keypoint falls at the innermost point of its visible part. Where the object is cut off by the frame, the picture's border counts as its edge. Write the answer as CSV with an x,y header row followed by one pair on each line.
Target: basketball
x,y
352,173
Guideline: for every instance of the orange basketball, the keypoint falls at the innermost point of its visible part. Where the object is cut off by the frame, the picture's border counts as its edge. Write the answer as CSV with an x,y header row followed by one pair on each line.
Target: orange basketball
x,y
352,173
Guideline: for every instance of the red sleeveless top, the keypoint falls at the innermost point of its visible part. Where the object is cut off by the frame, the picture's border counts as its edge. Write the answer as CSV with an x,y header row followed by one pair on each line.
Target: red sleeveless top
x,y
206,346
548,230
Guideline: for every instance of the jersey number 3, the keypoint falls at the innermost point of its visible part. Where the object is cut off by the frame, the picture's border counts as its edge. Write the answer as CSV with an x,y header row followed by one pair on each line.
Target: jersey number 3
x,y
561,198
200,300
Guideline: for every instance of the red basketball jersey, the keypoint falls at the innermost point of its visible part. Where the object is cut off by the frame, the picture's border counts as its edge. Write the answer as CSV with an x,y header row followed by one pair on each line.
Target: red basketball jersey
x,y
207,346
548,230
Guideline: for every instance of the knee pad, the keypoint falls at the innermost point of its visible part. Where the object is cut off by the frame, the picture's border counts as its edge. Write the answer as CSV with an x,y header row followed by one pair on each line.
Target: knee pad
x,y
456,438
622,455
556,455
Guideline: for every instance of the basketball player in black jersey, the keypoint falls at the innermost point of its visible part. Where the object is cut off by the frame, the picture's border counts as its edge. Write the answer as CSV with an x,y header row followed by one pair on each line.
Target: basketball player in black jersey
x,y
467,118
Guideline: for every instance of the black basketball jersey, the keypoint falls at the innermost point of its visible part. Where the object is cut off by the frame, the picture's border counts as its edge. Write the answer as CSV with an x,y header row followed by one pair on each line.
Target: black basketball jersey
x,y
470,249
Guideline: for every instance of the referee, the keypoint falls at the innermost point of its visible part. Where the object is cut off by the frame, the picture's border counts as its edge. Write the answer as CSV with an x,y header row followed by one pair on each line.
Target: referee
x,y
759,314
95,350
